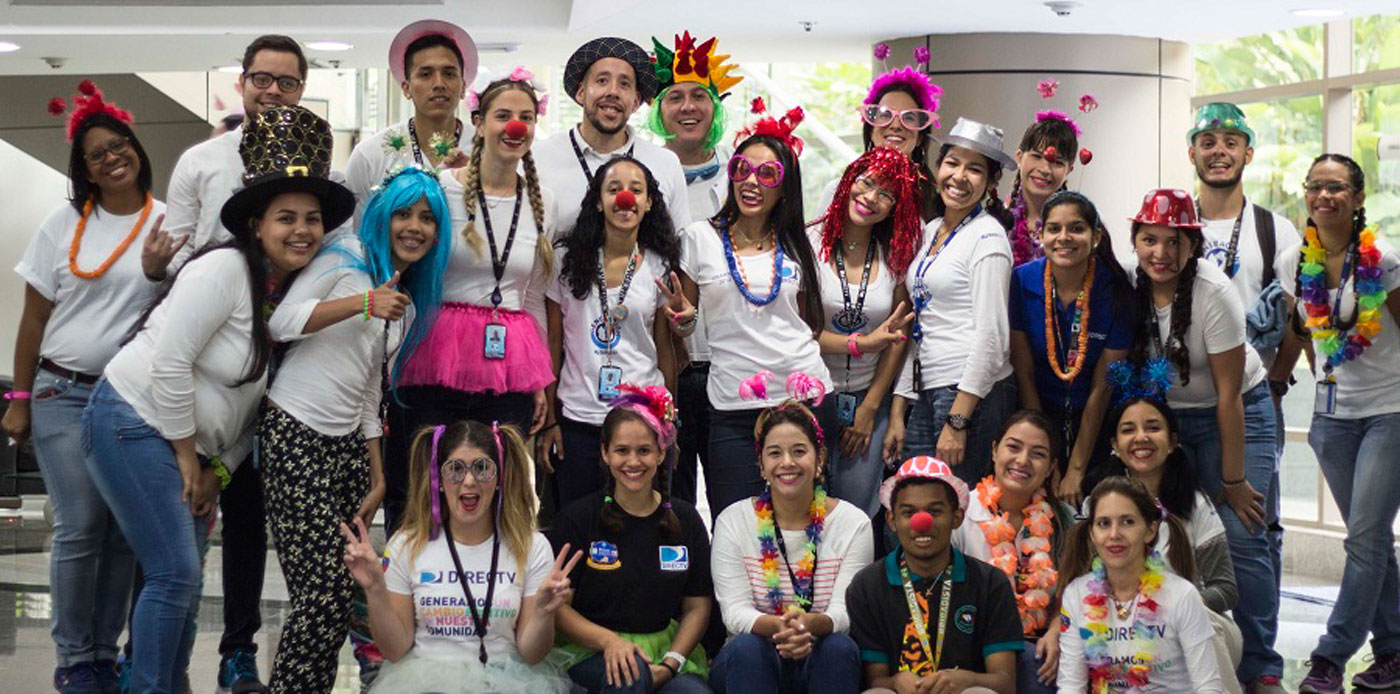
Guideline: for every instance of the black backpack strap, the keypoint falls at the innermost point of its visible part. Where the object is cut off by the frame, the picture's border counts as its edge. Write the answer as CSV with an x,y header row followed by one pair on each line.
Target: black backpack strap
x,y
1264,228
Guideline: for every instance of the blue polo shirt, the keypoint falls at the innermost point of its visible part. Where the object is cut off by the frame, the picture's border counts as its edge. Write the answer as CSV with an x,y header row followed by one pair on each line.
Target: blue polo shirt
x,y
1111,326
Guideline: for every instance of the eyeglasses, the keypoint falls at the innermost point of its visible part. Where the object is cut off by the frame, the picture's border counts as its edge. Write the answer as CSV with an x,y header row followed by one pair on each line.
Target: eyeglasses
x,y
769,173
1330,187
880,116
455,471
118,147
864,186
285,83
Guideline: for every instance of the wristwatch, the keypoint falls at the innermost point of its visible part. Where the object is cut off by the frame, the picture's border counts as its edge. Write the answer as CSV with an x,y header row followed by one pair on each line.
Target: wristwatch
x,y
959,422
1278,388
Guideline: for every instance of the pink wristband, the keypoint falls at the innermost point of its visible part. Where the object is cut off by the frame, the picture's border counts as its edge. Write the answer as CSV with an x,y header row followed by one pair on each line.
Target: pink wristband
x,y
18,395
852,346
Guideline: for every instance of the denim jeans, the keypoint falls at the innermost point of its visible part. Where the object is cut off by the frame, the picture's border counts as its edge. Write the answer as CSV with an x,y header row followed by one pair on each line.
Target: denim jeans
x,y
732,473
693,436
1256,613
930,413
591,674
135,470
749,664
1027,669
1358,459
857,479
90,566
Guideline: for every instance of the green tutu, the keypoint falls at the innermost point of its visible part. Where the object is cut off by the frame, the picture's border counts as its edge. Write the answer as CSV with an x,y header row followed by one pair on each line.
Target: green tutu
x,y
653,645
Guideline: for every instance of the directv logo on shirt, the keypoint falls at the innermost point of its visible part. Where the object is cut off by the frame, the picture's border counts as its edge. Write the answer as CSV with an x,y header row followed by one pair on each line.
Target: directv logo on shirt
x,y
428,577
675,558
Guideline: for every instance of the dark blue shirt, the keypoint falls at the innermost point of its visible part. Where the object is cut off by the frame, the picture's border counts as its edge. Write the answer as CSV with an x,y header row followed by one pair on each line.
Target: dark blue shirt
x,y
1110,327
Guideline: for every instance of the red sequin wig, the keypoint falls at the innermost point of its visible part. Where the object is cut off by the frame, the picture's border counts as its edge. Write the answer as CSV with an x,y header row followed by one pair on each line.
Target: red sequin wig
x,y
891,170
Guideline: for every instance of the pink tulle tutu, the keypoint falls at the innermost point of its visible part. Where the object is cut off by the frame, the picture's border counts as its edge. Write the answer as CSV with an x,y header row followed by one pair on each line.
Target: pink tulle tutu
x,y
451,354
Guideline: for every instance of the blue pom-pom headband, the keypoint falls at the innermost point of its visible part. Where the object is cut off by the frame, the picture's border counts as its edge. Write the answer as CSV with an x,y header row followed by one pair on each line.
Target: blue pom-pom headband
x,y
1151,380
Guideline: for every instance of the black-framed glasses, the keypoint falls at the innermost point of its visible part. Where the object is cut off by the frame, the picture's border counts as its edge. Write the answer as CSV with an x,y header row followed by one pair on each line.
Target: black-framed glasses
x,y
863,186
1329,187
118,147
455,471
768,173
285,83
878,116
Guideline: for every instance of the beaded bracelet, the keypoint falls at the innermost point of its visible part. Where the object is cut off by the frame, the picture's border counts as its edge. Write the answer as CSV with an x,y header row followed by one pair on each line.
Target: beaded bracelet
x,y
369,303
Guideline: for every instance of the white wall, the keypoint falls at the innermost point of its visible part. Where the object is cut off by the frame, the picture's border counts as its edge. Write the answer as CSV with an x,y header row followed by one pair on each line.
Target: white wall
x,y
32,190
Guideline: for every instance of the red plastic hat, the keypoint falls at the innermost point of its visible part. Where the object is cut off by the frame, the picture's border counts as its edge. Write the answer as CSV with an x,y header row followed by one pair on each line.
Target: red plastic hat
x,y
924,467
427,27
1168,207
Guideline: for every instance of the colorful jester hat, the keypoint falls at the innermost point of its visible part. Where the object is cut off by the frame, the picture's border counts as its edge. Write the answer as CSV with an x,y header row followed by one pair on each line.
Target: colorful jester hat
x,y
688,62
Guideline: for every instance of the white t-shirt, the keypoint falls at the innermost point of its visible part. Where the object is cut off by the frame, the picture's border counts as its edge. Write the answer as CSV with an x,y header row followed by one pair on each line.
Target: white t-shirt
x,y
443,621
879,302
204,178
560,172
967,332
1249,255
736,564
585,350
177,372
90,317
706,197
1217,325
1204,526
330,379
1370,385
372,159
1183,659
748,338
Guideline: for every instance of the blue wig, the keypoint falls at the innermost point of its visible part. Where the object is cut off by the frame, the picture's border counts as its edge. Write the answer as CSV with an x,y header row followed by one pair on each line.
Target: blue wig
x,y
422,280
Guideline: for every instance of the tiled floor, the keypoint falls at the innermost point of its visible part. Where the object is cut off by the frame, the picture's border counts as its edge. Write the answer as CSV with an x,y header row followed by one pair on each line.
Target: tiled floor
x,y
27,660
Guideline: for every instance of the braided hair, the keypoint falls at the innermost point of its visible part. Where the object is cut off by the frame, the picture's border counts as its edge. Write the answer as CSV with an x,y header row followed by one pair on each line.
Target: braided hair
x,y
611,516
544,252
1358,224
1177,351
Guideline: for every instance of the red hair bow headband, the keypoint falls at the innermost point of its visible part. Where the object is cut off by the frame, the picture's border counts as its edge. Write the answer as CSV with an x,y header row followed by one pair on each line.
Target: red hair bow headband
x,y
86,104
777,128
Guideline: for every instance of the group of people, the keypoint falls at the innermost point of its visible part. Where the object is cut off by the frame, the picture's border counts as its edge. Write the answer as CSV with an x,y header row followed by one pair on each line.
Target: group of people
x,y
931,422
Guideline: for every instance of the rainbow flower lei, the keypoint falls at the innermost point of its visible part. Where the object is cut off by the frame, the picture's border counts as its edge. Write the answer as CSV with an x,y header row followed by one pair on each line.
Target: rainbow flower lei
x,y
804,590
1032,587
1101,666
1336,344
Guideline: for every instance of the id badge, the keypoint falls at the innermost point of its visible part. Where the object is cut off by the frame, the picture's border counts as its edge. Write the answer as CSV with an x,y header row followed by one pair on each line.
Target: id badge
x,y
494,342
1326,401
846,409
609,377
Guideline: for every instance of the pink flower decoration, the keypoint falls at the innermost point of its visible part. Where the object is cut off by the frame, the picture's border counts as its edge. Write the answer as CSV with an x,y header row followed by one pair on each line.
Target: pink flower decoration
x,y
1047,88
540,107
806,389
755,387
473,100
520,74
921,55
1087,103
882,51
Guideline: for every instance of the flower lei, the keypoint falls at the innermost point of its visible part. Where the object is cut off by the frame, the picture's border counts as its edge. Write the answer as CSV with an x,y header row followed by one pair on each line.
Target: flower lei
x,y
1101,666
1332,341
804,588
1025,242
1080,353
1032,588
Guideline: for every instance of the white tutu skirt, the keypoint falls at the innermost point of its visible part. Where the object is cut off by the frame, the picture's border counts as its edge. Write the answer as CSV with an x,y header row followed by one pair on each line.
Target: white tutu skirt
x,y
416,675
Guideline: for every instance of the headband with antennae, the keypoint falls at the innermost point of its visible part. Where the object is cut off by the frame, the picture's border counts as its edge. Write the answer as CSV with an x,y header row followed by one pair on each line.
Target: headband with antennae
x,y
1151,380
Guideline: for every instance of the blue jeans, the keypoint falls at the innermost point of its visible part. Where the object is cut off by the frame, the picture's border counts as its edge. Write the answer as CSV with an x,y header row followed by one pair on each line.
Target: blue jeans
x,y
749,664
135,470
1358,459
930,412
591,674
732,473
1027,666
1256,613
91,566
857,479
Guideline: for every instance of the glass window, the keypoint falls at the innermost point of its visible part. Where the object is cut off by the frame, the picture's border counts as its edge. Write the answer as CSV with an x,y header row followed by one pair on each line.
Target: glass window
x,y
1377,112
1262,60
1377,42
1288,135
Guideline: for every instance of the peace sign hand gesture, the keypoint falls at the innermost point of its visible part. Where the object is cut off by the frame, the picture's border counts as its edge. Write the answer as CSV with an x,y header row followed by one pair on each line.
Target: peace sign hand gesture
x,y
889,332
556,590
360,557
678,308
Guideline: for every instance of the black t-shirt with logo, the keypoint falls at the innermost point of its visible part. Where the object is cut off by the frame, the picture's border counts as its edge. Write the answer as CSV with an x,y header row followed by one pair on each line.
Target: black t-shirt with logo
x,y
633,581
984,621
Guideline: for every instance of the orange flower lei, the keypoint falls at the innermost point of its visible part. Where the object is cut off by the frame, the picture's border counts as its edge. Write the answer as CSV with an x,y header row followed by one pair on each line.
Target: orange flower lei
x,y
1032,587
1080,353
121,247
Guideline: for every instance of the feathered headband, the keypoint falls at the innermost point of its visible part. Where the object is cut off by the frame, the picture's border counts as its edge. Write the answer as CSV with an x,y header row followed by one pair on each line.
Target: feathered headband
x,y
778,128
926,93
654,405
889,166
1151,380
86,104
519,74
803,392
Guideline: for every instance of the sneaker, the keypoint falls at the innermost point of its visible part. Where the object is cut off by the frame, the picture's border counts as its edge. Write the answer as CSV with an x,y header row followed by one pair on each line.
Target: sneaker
x,y
77,679
1266,684
1384,673
238,674
1324,677
107,676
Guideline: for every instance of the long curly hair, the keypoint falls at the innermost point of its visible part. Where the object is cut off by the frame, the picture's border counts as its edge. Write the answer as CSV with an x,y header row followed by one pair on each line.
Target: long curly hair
x,y
900,233
656,234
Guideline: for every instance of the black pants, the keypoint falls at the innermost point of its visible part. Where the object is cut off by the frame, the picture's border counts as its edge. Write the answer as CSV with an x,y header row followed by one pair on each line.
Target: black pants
x,y
693,437
244,556
427,406
580,473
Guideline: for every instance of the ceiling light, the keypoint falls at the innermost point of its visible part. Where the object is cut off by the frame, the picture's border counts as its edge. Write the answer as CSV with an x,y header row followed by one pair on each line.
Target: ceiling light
x,y
328,45
230,69
1316,12
7,47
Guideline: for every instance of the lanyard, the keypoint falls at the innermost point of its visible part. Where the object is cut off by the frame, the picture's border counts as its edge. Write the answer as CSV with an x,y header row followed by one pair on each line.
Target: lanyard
x,y
413,138
612,320
920,620
922,295
578,152
1341,327
850,319
1067,353
481,620
803,601
1231,265
498,263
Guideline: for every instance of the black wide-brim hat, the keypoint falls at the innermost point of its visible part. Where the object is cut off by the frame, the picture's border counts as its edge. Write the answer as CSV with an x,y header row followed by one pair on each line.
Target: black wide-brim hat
x,y
286,149
610,47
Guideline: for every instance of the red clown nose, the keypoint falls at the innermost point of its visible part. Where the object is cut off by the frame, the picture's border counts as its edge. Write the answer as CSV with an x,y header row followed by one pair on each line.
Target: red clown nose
x,y
625,200
921,522
516,130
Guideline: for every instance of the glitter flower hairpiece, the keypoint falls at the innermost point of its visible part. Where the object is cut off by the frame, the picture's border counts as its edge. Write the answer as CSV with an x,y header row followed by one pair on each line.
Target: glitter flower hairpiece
x,y
519,74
